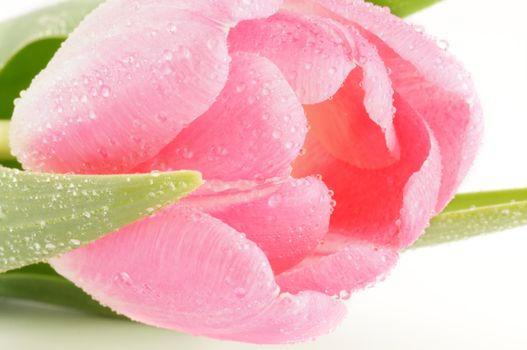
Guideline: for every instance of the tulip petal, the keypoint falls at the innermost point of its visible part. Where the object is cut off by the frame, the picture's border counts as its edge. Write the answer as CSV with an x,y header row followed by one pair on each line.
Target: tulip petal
x,y
185,270
358,119
322,57
255,129
432,81
287,224
339,266
408,189
127,81
124,96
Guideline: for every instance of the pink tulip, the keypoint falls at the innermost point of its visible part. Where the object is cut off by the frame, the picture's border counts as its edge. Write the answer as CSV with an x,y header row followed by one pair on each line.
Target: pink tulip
x,y
228,87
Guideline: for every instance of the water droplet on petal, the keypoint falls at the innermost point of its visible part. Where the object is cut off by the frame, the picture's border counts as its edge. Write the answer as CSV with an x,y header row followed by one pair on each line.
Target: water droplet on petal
x,y
240,292
274,200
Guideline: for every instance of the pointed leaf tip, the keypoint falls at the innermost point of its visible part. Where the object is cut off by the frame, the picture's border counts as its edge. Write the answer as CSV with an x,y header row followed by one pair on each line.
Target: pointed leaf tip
x,y
45,215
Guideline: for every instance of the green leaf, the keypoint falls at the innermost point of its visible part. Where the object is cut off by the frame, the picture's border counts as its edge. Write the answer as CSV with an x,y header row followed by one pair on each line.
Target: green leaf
x,y
474,214
404,8
5,154
28,42
50,289
45,215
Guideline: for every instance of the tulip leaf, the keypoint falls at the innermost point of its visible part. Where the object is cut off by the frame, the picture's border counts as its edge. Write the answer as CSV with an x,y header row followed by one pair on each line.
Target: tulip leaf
x,y
52,290
45,215
5,153
28,42
474,214
404,8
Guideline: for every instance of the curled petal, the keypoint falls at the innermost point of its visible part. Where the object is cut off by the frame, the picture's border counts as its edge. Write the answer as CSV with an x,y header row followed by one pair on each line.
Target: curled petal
x,y
254,130
287,223
430,79
357,117
322,56
408,188
356,125
339,266
185,270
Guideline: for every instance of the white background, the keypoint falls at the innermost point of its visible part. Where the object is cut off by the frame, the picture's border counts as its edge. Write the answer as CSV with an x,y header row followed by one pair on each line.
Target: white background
x,y
470,295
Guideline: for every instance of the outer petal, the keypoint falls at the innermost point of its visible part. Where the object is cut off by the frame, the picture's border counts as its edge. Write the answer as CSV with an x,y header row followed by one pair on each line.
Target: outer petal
x,y
408,189
339,266
184,270
123,97
360,130
255,129
434,83
287,224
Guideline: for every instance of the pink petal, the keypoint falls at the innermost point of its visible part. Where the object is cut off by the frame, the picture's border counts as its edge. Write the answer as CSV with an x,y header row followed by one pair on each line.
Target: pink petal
x,y
356,125
339,266
455,121
322,58
124,96
389,206
255,129
360,130
287,224
432,81
185,270
128,80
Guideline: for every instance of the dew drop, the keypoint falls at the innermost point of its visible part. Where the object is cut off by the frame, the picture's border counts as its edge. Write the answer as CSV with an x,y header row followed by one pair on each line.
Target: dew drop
x,y
240,292
240,87
105,91
443,44
274,200
123,278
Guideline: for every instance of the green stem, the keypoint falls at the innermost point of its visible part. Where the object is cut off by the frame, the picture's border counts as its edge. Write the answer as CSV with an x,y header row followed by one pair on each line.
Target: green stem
x,y
5,152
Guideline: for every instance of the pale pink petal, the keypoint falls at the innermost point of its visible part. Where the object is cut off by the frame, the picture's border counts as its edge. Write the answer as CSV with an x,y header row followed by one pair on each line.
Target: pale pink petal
x,y
122,98
311,51
339,266
287,224
389,206
185,270
358,119
432,81
255,129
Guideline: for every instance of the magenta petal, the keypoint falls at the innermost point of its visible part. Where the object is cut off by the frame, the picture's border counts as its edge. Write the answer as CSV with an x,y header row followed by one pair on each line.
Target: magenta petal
x,y
185,270
287,223
389,206
255,129
339,266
